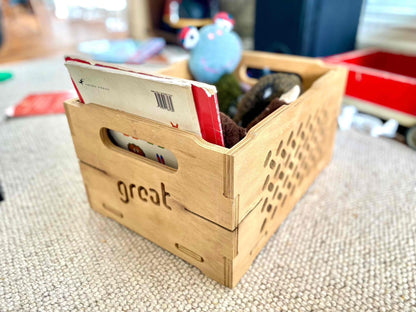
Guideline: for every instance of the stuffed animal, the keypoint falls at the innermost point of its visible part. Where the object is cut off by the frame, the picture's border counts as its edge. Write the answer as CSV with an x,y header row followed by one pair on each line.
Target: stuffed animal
x,y
215,50
228,92
262,93
231,131
276,103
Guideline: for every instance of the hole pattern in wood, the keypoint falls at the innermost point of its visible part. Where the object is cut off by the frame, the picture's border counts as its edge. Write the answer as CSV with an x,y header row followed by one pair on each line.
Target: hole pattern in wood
x,y
292,160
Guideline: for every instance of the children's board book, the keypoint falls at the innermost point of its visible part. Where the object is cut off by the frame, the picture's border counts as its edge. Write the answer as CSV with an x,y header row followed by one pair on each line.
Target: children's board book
x,y
180,103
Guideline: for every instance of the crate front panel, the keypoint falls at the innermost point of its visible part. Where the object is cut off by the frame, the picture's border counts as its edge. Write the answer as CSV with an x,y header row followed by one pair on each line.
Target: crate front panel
x,y
199,184
196,240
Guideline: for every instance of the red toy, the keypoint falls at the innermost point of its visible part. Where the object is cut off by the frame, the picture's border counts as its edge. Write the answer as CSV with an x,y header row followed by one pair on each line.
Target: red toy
x,y
382,84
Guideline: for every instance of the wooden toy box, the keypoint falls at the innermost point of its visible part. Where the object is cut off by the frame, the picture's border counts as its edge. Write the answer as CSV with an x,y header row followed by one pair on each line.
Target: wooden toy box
x,y
221,206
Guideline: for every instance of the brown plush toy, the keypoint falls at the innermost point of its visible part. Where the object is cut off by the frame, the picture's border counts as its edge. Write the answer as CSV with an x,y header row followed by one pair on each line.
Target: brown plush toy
x,y
274,105
231,131
262,93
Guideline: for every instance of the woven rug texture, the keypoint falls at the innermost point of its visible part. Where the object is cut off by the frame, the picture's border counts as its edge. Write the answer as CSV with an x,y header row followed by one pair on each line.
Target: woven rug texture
x,y
348,245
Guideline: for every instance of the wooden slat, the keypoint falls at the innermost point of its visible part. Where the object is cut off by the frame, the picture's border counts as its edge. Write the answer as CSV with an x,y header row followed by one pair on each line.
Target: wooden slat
x,y
309,69
198,185
194,239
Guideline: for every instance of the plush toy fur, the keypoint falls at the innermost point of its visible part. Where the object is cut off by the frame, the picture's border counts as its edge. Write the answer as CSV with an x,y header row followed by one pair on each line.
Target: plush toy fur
x,y
274,105
218,52
215,49
231,131
262,93
228,92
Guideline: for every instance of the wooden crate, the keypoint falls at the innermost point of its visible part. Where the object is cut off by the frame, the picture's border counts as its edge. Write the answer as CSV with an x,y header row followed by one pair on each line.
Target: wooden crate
x,y
221,206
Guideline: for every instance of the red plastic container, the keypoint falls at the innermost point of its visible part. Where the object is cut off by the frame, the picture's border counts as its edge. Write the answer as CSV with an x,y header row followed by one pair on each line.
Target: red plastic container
x,y
384,83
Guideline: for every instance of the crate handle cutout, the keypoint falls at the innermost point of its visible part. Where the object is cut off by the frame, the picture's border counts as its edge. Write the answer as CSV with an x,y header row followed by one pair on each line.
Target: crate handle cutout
x,y
141,149
113,210
244,70
189,252
308,69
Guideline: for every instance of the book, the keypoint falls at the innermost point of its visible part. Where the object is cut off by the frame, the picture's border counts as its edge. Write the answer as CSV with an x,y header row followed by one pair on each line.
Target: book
x,y
106,87
179,103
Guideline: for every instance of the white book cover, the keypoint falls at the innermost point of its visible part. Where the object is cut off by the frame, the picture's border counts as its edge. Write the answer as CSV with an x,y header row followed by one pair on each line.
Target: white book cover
x,y
164,100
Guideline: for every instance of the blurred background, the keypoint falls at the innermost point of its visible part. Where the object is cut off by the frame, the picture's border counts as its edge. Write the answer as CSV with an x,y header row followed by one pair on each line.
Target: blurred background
x,y
36,28
146,31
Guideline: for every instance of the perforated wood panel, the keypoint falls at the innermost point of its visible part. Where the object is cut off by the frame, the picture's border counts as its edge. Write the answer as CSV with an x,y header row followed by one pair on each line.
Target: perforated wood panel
x,y
300,146
290,161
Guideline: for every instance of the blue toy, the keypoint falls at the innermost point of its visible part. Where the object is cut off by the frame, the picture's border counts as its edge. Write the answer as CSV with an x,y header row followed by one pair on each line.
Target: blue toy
x,y
215,50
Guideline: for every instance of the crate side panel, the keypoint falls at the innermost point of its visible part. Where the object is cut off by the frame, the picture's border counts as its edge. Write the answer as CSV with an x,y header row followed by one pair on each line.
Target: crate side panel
x,y
198,185
302,147
285,147
194,239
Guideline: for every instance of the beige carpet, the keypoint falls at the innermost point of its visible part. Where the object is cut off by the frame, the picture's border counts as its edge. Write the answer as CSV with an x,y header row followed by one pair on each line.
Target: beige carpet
x,y
349,245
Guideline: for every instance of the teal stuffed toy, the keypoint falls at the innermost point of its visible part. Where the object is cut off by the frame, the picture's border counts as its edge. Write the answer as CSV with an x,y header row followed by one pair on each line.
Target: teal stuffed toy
x,y
215,50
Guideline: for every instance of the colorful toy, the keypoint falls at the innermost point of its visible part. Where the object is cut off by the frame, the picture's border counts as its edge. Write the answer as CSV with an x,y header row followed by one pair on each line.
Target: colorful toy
x,y
215,50
122,50
382,84
5,76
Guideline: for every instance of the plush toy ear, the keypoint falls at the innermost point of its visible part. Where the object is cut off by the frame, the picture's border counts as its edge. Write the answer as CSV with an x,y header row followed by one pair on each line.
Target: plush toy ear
x,y
224,20
189,37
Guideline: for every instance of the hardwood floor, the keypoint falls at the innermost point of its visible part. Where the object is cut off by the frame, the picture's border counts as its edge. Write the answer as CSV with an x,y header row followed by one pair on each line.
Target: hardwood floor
x,y
37,33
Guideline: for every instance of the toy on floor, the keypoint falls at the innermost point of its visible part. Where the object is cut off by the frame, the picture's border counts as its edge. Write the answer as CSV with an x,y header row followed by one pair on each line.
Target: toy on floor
x,y
122,50
5,76
262,93
40,104
215,50
351,118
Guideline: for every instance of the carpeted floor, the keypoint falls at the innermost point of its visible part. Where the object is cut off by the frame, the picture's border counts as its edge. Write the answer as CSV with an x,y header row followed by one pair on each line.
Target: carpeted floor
x,y
349,245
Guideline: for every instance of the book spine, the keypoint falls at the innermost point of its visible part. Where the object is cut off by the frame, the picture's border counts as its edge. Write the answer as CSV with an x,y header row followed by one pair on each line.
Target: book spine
x,y
208,115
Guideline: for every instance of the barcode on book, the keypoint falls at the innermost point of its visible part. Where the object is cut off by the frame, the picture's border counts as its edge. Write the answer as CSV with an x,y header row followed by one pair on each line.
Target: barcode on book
x,y
164,101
